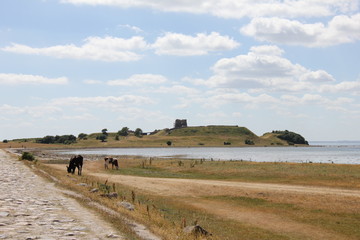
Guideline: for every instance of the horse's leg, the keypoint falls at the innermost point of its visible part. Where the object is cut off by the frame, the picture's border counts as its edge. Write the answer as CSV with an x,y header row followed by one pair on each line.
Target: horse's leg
x,y
79,170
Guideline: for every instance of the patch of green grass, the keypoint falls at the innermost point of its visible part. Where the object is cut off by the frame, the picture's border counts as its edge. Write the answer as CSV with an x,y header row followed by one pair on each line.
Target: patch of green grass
x,y
258,203
306,174
341,223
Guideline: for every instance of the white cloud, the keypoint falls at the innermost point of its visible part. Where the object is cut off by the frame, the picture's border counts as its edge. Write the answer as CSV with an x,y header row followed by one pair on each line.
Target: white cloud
x,y
316,99
84,116
108,102
264,68
92,82
109,49
341,29
177,89
33,111
237,9
19,79
132,28
185,45
235,98
139,80
343,87
317,76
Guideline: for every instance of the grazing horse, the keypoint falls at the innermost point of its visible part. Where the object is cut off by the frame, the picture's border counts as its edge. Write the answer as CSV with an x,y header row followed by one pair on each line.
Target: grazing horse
x,y
114,162
107,161
75,162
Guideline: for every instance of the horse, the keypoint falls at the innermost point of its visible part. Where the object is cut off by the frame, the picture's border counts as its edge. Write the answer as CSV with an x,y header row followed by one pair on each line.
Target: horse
x,y
107,161
114,162
75,162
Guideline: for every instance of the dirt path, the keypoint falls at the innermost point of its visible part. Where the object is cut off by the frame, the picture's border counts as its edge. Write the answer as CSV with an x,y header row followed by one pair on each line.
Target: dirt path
x,y
194,187
190,192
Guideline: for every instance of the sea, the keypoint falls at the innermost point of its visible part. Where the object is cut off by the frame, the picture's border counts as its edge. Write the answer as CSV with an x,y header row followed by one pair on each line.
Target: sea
x,y
339,152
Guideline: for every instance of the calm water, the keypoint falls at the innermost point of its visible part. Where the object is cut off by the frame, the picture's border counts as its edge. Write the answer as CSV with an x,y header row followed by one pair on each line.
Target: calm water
x,y
324,152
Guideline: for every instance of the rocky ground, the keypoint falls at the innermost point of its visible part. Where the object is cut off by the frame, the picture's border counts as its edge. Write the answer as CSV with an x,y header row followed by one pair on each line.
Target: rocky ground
x,y
32,208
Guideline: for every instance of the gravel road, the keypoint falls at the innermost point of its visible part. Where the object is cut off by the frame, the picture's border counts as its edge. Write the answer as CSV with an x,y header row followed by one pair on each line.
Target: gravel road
x,y
32,208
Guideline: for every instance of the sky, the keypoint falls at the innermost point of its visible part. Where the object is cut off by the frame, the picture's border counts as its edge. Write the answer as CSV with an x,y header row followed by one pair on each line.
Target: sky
x,y
79,66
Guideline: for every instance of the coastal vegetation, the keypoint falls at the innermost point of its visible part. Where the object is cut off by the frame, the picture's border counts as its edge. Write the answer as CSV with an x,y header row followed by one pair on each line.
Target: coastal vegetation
x,y
288,201
205,136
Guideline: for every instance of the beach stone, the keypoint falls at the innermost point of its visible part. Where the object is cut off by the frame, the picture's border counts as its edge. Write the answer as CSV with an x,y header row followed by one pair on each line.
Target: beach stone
x,y
94,190
196,230
127,205
4,214
113,195
83,184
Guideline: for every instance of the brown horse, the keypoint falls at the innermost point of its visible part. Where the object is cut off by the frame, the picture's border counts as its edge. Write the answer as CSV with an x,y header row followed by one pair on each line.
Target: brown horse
x,y
114,162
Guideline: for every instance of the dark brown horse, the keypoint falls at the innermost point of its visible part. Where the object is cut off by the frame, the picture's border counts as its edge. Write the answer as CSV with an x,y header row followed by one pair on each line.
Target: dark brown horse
x,y
114,163
75,162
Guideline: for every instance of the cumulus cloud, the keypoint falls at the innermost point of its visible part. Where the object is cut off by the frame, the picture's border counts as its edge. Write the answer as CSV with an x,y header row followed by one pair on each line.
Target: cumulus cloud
x,y
185,45
343,87
264,67
237,9
92,81
132,28
33,111
109,49
21,79
138,80
311,99
242,98
177,89
341,29
108,102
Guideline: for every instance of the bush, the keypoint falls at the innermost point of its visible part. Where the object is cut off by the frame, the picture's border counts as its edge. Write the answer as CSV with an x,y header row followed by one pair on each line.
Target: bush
x,y
291,137
102,138
249,142
64,139
138,132
82,136
27,156
169,143
5,141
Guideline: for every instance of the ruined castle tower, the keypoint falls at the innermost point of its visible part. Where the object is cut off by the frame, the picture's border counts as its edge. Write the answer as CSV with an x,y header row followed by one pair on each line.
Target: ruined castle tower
x,y
180,123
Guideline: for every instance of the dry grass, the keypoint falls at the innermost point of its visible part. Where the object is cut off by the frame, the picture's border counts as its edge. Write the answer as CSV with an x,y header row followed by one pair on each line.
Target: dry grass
x,y
312,174
228,214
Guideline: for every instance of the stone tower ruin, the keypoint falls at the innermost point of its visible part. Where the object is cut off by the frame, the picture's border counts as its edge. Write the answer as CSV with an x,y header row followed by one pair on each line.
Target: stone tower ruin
x,y
180,123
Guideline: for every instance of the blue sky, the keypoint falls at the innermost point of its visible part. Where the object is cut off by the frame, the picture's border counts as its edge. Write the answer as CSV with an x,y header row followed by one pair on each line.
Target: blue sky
x,y
78,66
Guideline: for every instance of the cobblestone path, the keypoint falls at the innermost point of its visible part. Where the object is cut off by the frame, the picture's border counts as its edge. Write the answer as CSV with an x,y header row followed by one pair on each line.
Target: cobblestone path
x,y
32,208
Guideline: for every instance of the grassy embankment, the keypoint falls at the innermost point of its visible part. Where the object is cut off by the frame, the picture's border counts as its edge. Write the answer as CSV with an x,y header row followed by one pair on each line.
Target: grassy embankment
x,y
337,216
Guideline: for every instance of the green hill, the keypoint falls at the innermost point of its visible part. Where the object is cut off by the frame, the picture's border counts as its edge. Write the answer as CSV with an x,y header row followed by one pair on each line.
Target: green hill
x,y
206,136
212,131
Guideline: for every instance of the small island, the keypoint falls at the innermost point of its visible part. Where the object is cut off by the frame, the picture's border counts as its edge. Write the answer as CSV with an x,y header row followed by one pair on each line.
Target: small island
x,y
180,135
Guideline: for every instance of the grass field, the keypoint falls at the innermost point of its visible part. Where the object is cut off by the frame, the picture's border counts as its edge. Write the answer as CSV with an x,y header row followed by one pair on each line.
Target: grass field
x,y
168,192
234,200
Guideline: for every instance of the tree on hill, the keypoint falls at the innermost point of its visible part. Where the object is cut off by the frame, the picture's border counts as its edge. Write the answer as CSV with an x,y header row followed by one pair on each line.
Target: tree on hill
x,y
82,136
102,137
104,131
123,132
138,132
64,139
